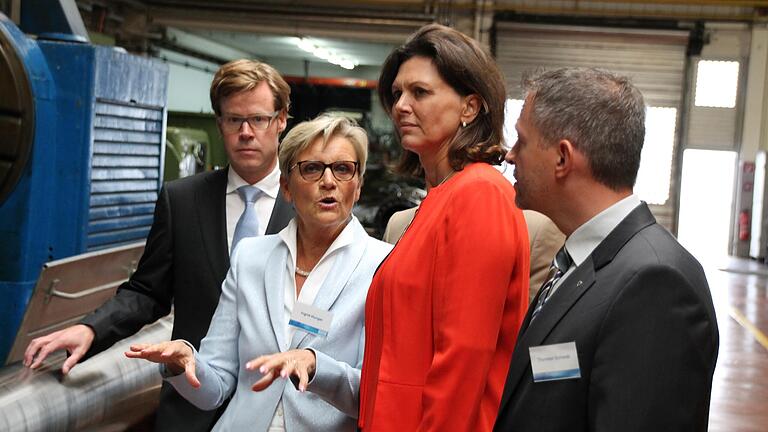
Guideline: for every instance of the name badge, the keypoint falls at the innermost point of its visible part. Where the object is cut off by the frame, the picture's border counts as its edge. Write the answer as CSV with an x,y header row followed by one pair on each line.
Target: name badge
x,y
311,319
555,362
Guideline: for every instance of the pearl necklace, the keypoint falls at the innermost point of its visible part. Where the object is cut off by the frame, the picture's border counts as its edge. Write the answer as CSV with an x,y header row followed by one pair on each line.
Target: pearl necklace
x,y
302,273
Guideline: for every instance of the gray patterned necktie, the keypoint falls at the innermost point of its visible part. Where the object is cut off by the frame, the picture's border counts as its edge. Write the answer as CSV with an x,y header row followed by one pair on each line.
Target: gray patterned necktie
x,y
248,224
557,269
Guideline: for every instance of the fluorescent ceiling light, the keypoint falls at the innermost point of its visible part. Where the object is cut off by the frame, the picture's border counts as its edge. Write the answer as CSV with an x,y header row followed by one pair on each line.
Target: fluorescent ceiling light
x,y
326,54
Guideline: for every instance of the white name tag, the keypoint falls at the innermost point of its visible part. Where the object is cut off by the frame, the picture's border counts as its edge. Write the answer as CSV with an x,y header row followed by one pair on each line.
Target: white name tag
x,y
555,362
311,319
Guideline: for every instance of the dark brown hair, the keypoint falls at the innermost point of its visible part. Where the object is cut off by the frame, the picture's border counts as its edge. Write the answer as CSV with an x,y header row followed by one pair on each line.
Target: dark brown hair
x,y
468,69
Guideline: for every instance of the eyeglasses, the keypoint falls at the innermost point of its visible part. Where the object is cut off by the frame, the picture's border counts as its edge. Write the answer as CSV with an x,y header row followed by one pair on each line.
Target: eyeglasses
x,y
232,124
314,170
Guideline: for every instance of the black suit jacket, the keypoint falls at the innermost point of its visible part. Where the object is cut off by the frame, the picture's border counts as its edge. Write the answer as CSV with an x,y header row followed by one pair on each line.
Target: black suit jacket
x,y
184,263
641,314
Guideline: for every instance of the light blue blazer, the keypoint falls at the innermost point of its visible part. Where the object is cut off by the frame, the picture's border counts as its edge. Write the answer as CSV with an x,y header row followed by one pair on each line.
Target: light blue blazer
x,y
249,322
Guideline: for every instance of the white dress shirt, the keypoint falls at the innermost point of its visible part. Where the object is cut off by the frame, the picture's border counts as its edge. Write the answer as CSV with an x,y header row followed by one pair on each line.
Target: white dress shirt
x,y
309,290
582,242
269,185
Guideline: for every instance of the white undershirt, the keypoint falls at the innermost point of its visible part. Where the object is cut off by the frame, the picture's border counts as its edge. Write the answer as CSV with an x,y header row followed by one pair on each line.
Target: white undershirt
x,y
586,238
264,204
309,290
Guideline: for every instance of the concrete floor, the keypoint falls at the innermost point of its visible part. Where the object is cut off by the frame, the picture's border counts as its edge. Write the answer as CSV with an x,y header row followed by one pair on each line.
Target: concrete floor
x,y
740,387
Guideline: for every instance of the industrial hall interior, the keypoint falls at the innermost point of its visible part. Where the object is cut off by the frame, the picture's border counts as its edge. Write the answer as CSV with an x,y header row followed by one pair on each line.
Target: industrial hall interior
x,y
434,215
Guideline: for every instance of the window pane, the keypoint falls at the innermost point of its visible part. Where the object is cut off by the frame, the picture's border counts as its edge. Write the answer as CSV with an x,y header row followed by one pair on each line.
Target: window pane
x,y
706,196
716,83
512,110
653,178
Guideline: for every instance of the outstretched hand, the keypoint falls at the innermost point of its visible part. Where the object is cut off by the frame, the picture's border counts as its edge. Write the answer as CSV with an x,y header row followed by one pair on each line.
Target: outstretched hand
x,y
76,340
176,355
299,362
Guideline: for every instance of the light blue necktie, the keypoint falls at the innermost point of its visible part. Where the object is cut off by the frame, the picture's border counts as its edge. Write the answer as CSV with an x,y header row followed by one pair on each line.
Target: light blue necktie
x,y
557,269
248,224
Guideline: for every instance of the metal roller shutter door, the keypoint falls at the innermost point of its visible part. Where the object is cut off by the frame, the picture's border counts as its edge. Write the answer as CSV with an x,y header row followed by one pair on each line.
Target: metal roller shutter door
x,y
654,59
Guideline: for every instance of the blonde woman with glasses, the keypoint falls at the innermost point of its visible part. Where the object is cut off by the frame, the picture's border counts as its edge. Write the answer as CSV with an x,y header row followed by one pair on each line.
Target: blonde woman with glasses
x,y
287,337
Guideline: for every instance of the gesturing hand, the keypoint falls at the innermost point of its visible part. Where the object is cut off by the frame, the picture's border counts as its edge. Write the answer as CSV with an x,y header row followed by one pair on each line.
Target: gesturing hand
x,y
176,355
76,340
298,362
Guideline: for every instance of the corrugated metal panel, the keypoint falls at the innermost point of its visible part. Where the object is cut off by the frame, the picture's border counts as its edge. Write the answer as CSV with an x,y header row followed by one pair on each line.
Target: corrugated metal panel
x,y
654,59
125,173
712,128
635,8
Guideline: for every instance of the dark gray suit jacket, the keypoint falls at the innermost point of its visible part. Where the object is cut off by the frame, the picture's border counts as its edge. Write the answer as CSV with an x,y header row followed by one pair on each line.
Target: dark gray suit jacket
x,y
641,314
184,263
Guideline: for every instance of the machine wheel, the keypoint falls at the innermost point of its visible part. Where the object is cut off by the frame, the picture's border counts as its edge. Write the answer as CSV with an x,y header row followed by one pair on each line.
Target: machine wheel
x,y
16,116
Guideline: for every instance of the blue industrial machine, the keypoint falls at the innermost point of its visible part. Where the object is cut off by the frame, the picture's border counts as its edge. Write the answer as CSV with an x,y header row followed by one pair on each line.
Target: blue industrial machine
x,y
82,132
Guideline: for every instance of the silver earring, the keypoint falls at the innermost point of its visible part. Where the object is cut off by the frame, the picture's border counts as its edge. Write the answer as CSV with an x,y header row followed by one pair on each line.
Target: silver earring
x,y
463,124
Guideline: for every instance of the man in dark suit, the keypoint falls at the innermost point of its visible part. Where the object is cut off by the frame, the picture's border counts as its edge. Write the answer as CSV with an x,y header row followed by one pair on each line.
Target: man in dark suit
x,y
622,336
197,220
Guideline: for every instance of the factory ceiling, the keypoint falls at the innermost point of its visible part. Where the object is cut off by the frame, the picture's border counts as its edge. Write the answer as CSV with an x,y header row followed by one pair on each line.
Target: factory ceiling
x,y
361,32
219,31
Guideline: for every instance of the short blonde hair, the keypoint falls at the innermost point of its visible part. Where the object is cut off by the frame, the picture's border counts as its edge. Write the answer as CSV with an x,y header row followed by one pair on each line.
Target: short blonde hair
x,y
326,126
245,75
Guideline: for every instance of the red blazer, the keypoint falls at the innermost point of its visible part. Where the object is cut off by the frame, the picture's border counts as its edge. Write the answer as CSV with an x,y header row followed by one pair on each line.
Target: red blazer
x,y
444,310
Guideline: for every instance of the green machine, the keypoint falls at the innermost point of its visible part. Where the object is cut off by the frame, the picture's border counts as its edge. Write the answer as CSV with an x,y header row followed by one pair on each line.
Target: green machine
x,y
186,152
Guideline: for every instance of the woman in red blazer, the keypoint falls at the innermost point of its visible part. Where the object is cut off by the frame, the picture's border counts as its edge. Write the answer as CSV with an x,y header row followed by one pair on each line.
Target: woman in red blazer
x,y
444,308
